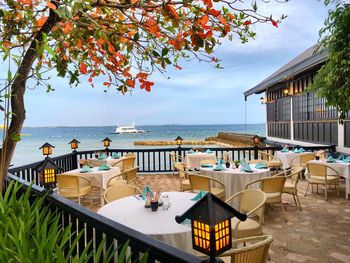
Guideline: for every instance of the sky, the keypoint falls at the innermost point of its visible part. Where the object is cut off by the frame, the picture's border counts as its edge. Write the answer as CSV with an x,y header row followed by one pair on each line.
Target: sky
x,y
197,94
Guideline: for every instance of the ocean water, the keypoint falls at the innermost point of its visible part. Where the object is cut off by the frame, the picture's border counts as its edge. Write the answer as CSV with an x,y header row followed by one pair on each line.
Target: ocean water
x,y
27,150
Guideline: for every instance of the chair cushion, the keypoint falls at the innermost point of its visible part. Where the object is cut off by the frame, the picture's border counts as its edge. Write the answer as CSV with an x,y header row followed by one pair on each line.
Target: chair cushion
x,y
246,228
73,192
289,188
117,181
273,198
274,163
321,179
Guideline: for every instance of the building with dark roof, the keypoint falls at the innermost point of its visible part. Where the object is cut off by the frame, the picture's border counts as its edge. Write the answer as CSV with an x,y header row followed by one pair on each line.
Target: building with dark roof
x,y
295,116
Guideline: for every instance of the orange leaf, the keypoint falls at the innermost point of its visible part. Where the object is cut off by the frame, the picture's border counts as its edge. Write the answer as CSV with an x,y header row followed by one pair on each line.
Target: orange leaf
x,y
50,5
130,83
41,21
83,68
133,1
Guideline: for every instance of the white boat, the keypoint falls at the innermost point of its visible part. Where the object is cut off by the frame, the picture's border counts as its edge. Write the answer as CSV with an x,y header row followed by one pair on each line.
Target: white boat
x,y
128,129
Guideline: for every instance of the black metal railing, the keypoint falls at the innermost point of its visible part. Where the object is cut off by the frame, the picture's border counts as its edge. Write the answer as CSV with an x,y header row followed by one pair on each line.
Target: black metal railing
x,y
97,228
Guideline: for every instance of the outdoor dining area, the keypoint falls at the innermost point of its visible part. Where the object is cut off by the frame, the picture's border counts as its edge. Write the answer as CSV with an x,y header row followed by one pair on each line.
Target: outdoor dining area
x,y
280,203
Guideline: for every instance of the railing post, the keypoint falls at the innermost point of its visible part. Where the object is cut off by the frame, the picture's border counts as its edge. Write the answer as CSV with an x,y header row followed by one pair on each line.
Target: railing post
x,y
179,154
74,159
256,151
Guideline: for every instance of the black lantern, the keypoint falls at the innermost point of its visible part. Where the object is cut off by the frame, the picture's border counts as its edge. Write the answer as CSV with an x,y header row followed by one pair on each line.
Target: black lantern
x,y
178,141
211,225
285,91
47,171
74,144
256,140
106,142
47,149
262,100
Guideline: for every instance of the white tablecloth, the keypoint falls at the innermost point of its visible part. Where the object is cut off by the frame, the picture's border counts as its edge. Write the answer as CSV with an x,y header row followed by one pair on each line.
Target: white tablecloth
x,y
108,161
235,180
286,158
160,225
97,178
342,168
193,159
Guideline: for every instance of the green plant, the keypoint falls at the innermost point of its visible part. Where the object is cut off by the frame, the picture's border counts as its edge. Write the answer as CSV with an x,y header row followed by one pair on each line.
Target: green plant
x,y
32,233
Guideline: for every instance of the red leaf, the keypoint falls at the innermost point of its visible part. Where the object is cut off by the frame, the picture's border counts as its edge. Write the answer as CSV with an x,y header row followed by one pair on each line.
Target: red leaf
x,y
130,83
247,23
274,23
214,12
83,68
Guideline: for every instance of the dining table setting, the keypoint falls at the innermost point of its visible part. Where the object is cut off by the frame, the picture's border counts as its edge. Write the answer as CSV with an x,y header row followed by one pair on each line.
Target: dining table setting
x,y
194,158
286,156
114,160
235,178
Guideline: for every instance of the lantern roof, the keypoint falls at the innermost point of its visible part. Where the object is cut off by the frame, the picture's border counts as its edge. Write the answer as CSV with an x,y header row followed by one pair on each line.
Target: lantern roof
x,y
211,210
106,139
47,164
46,144
178,138
74,141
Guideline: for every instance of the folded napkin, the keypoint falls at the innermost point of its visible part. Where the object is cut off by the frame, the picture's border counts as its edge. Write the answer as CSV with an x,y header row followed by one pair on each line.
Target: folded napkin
x,y
199,196
115,155
104,167
347,160
146,190
208,151
246,168
220,161
102,156
341,157
296,150
85,169
285,150
260,165
219,167
191,151
330,159
301,150
206,165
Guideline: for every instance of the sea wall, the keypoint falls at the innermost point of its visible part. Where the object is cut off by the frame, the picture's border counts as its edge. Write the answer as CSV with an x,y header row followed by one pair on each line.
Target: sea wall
x,y
233,139
162,143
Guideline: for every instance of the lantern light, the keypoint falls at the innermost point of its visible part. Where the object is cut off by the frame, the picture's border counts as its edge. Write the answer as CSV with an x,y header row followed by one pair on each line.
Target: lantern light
x,y
286,91
178,140
47,149
256,140
47,171
74,144
262,100
106,142
211,225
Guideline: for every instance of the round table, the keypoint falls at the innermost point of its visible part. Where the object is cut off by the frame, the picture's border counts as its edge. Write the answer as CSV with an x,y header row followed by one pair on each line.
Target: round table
x,y
236,180
286,158
160,225
193,160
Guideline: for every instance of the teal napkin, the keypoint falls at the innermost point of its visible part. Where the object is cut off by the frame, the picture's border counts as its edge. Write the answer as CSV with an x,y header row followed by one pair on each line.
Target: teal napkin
x,y
199,196
191,151
104,167
260,165
301,150
220,161
219,167
347,160
285,150
296,150
206,165
115,155
186,222
85,169
246,168
208,151
341,157
330,159
146,190
102,156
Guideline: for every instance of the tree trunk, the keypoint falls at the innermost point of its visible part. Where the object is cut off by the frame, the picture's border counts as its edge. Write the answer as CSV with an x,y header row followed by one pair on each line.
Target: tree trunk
x,y
17,95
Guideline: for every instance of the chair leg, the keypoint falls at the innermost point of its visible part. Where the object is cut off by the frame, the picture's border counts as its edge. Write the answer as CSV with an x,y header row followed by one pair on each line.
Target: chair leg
x,y
79,200
295,201
337,186
91,199
297,197
284,215
325,192
307,187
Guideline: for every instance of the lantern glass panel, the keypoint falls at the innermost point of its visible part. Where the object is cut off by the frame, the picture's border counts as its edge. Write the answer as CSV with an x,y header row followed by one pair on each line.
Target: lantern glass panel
x,y
74,145
105,143
222,235
49,176
47,150
201,236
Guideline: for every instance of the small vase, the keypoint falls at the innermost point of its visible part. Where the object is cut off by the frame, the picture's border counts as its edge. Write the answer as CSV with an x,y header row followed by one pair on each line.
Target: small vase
x,y
227,164
154,206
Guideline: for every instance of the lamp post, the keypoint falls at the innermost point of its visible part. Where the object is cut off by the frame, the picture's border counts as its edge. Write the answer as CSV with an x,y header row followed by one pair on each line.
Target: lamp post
x,y
211,226
74,146
256,142
178,141
262,100
47,149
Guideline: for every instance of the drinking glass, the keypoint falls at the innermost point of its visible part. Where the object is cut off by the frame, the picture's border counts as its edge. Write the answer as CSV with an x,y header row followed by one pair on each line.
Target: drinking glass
x,y
166,202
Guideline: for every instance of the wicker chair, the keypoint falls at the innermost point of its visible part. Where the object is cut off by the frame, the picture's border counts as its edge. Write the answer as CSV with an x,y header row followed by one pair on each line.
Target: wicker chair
x,y
252,203
273,162
273,187
74,186
290,186
175,160
183,178
128,162
248,250
302,159
201,182
119,191
318,175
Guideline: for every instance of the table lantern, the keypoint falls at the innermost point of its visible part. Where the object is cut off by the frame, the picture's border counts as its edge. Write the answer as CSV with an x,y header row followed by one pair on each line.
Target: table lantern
x,y
256,140
74,144
211,225
47,171
47,149
178,141
106,142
